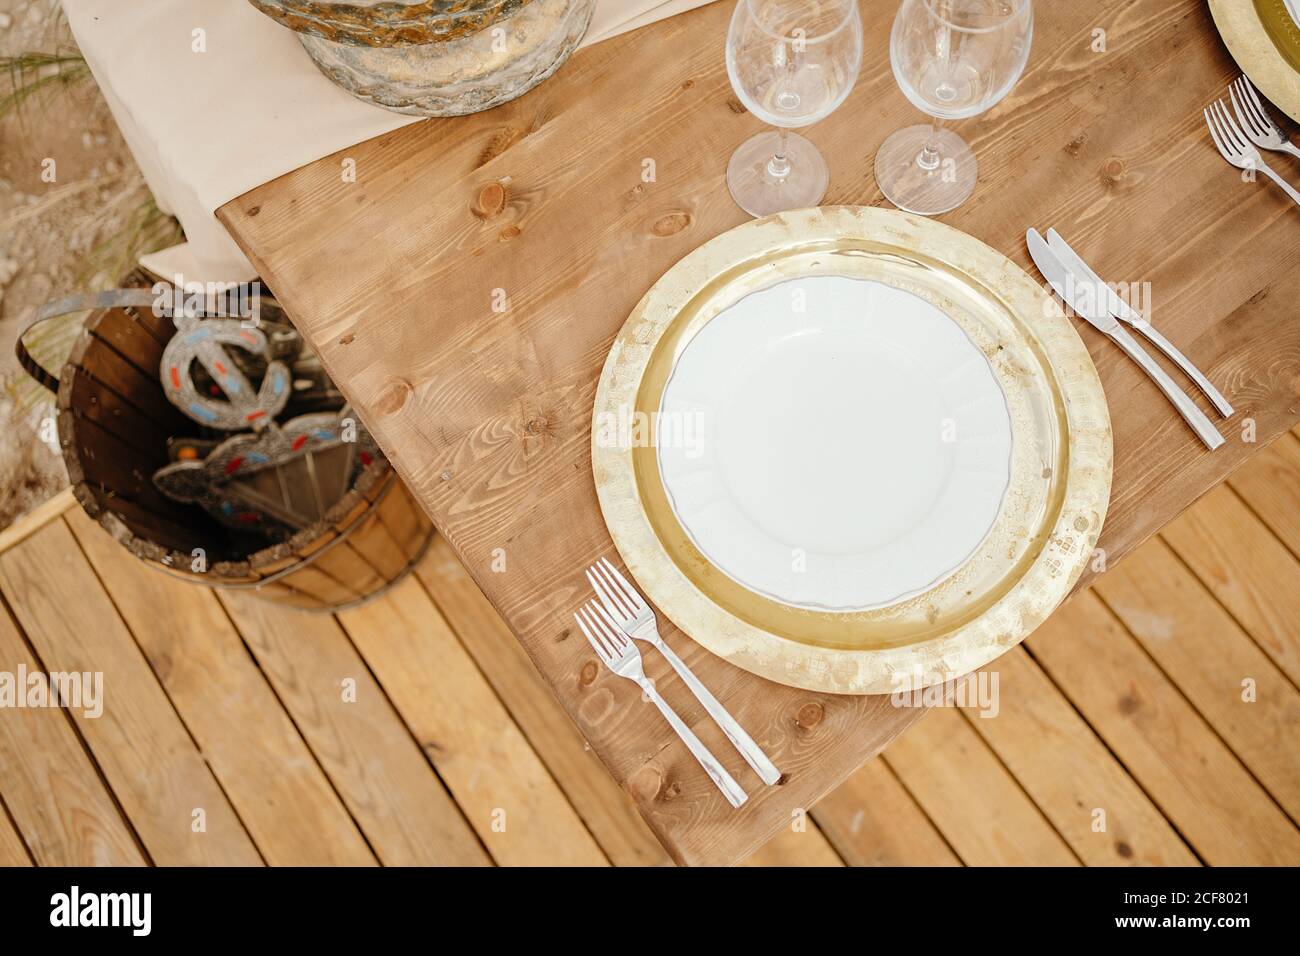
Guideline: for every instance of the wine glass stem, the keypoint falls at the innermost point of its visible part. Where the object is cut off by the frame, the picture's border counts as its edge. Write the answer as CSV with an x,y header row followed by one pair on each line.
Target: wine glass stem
x,y
928,158
778,167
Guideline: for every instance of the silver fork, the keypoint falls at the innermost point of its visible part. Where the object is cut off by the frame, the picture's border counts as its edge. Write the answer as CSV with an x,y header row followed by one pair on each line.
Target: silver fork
x,y
620,655
633,616
1255,121
1234,147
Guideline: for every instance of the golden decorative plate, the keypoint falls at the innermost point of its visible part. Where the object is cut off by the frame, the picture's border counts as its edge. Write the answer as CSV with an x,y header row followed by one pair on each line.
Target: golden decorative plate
x,y
1265,42
1057,478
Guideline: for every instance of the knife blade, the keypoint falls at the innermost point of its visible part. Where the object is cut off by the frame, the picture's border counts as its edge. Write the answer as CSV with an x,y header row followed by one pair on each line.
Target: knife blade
x,y
1111,301
1079,296
1083,300
1106,296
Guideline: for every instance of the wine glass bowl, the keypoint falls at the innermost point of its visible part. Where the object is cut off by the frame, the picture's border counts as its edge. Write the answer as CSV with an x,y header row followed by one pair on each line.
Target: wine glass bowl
x,y
791,63
952,59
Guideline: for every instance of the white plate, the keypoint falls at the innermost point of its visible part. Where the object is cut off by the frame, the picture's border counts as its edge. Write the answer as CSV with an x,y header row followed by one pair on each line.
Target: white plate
x,y
845,444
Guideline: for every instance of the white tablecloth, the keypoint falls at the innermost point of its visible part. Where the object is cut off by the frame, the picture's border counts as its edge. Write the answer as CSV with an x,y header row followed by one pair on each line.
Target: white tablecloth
x,y
208,126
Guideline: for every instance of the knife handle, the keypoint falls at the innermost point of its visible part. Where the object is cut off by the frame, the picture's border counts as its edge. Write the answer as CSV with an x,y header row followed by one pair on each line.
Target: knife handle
x,y
1184,363
1194,417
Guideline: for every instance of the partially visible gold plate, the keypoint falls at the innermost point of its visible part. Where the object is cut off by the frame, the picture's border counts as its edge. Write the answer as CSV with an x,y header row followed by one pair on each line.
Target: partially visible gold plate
x,y
1265,42
1051,513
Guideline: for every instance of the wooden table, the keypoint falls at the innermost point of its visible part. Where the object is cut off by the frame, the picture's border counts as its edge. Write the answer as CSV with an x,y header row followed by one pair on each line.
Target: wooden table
x,y
541,205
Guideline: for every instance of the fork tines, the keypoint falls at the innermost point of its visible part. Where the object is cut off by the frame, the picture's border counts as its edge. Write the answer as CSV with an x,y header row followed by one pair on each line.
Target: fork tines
x,y
614,590
1255,122
608,641
1255,119
1228,137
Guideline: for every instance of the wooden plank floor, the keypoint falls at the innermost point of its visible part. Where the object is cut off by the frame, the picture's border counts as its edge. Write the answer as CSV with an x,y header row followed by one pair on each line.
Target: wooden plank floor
x,y
1153,720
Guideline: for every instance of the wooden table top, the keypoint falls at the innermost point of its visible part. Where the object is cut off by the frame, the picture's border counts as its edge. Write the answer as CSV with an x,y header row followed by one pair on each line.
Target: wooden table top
x,y
393,278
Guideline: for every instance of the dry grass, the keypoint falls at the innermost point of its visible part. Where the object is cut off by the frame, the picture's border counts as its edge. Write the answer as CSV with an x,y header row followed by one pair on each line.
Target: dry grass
x,y
32,72
26,463
81,233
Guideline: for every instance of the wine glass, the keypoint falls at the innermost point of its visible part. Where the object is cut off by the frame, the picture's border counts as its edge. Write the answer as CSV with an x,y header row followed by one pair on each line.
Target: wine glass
x,y
953,59
791,62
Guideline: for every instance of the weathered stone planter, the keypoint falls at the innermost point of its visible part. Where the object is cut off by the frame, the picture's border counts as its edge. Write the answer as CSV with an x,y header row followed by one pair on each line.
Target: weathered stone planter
x,y
435,57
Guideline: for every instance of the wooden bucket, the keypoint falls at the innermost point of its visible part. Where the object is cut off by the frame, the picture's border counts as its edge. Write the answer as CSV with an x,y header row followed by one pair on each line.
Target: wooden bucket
x,y
114,421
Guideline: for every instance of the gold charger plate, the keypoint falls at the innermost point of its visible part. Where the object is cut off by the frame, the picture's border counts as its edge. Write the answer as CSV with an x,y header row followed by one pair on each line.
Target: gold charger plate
x,y
1265,42
1051,514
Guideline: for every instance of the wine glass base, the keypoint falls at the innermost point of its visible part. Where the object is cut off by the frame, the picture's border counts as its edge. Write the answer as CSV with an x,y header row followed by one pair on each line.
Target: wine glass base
x,y
758,192
913,188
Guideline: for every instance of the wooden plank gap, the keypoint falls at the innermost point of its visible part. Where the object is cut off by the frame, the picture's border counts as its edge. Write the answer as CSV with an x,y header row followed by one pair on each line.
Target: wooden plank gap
x,y
162,686
12,845
1133,705
1230,612
1208,718
288,712
79,737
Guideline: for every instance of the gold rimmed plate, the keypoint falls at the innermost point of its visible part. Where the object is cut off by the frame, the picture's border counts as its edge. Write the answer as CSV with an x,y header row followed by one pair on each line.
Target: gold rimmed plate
x,y
1265,41
851,450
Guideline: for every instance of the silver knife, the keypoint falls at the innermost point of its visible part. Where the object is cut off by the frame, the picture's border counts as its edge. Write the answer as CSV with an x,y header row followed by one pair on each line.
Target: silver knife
x,y
1077,295
1117,307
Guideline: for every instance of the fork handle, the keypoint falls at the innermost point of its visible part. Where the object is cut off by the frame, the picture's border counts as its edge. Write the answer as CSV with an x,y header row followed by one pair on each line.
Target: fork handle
x,y
1184,363
1286,186
751,751
717,773
1290,147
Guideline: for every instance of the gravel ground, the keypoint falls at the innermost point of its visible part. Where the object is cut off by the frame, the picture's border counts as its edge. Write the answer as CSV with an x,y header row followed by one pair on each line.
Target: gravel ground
x,y
53,235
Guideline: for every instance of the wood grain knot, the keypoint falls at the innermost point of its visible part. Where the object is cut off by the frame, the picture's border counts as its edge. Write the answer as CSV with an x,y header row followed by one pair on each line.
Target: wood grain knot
x,y
1123,849
810,715
735,105
1112,171
510,232
491,200
347,339
588,673
542,426
671,224
1129,704
687,84
1075,146
253,211
646,782
393,397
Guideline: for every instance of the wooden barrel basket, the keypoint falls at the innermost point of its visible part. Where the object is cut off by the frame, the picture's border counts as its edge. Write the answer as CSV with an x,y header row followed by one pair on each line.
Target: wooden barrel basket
x,y
114,421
